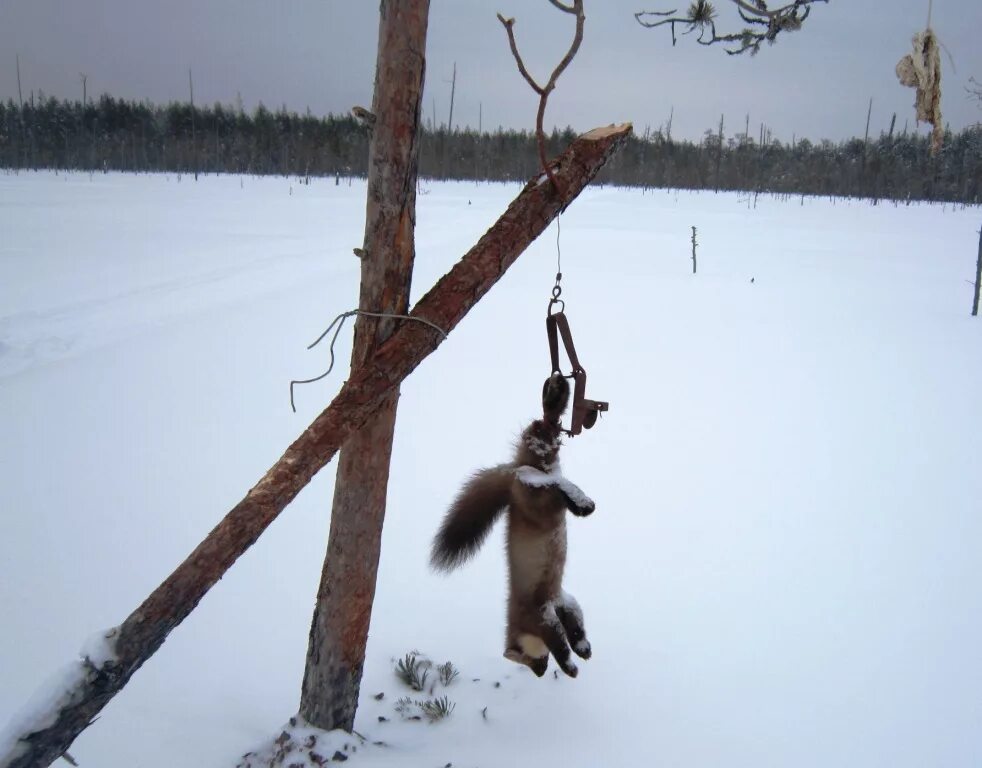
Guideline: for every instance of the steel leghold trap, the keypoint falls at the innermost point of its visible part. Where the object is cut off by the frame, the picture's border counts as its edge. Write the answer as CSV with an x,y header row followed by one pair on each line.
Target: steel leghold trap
x,y
585,411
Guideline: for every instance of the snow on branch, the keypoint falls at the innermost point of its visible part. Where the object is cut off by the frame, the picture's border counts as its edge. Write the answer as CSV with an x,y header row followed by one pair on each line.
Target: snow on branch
x,y
761,23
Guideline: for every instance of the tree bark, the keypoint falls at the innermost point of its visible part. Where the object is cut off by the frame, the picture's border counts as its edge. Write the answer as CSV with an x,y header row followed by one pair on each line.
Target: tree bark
x,y
445,305
339,629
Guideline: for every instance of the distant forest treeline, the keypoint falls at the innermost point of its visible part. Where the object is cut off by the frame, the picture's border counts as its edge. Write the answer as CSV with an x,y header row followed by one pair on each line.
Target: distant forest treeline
x,y
114,134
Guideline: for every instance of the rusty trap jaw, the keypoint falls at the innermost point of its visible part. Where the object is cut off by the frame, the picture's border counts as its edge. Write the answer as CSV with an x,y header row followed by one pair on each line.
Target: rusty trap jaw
x,y
585,411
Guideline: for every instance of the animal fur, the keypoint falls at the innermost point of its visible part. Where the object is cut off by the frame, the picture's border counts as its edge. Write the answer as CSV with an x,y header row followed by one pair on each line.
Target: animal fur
x,y
542,619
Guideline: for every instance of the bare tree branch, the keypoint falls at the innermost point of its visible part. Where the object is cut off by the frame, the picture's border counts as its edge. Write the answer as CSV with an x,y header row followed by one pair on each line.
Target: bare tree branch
x,y
560,6
509,24
761,24
974,90
756,10
544,91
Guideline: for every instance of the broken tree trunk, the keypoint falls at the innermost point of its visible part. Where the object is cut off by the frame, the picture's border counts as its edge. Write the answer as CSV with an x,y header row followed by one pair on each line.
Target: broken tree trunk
x,y
445,305
339,629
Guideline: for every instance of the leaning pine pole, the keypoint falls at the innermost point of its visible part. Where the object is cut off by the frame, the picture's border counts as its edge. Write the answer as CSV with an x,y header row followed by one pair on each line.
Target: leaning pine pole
x,y
48,734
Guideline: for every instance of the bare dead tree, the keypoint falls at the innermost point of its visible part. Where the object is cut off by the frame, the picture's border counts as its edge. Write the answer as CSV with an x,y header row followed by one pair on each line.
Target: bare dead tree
x,y
20,116
453,88
20,93
194,143
85,79
576,9
719,151
978,279
761,23
974,90
869,114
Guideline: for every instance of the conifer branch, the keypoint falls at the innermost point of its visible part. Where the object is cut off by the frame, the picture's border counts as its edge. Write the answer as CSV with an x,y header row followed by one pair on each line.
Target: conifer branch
x,y
761,23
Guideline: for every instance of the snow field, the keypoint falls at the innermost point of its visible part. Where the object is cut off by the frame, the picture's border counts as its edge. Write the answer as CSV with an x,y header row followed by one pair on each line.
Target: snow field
x,y
783,568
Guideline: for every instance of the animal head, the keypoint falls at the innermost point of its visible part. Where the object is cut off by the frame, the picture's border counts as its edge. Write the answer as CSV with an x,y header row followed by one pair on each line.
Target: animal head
x,y
540,441
539,446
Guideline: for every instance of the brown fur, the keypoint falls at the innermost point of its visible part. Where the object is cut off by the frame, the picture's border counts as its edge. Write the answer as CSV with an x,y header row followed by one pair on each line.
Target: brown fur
x,y
541,617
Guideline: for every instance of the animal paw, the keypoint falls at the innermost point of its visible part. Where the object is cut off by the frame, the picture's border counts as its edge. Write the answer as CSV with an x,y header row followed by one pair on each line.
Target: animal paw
x,y
539,665
582,510
583,649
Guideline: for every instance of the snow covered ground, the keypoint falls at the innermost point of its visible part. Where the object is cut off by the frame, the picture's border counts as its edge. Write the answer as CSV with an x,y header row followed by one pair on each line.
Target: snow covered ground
x,y
784,568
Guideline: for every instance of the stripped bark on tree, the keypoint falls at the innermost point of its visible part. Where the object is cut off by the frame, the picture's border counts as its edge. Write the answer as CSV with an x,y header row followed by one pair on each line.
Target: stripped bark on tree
x,y
339,628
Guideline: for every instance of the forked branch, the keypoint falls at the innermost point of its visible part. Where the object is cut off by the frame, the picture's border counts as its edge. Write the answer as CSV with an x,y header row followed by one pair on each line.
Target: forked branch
x,y
761,23
576,9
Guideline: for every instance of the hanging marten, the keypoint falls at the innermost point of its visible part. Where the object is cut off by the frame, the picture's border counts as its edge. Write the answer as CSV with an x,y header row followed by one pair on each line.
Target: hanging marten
x,y
534,494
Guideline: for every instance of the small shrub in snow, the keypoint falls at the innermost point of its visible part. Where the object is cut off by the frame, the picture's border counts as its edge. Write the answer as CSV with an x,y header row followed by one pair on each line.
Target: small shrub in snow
x,y
432,709
406,707
437,709
448,673
413,671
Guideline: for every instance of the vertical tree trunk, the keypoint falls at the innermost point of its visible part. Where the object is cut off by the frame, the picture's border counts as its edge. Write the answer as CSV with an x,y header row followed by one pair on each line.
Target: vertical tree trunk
x,y
694,244
864,185
20,116
453,88
20,93
339,630
194,142
719,152
978,279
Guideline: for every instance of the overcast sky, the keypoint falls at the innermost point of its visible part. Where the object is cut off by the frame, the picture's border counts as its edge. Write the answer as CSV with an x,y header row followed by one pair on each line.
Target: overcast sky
x,y
321,54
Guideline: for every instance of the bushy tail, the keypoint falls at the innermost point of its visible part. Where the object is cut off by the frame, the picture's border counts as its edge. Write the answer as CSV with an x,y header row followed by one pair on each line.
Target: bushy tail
x,y
470,519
